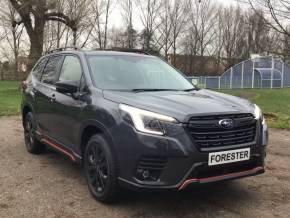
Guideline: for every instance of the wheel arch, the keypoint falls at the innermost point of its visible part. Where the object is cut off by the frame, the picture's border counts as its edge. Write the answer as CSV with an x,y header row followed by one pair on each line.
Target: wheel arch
x,y
25,110
91,128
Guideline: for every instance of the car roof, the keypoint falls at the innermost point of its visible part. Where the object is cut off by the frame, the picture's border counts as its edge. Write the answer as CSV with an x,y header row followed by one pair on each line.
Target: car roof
x,y
134,52
116,53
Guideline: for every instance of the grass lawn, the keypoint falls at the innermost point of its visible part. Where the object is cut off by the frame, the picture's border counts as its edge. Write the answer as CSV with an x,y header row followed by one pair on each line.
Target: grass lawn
x,y
10,97
274,103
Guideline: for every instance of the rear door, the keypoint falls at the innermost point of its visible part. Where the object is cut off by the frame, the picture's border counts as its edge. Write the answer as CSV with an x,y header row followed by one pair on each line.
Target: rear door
x,y
46,95
33,86
67,108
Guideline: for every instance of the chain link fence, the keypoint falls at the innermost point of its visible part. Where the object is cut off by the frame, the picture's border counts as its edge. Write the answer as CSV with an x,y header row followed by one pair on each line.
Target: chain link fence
x,y
266,72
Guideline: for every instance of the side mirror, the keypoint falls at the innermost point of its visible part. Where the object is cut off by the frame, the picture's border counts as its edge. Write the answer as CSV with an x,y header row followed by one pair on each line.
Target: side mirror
x,y
194,82
67,86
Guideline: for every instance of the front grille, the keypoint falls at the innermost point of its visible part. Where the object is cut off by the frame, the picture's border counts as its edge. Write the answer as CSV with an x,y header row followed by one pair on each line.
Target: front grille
x,y
207,133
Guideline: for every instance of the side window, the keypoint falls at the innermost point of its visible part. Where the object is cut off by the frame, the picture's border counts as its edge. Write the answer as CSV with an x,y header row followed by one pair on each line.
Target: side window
x,y
37,70
71,69
50,72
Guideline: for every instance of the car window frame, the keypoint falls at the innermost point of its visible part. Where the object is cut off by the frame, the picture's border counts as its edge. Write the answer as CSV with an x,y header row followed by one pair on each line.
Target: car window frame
x,y
57,71
41,72
82,69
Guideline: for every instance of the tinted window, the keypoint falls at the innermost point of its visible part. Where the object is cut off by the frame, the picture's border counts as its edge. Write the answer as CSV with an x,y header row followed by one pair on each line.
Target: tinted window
x,y
71,69
37,70
49,75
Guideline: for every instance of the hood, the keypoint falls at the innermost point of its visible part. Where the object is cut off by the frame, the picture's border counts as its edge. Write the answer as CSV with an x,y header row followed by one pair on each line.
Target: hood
x,y
182,105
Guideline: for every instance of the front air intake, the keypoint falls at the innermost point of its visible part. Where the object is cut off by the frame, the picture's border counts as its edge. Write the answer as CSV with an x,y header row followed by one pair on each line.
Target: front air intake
x,y
149,168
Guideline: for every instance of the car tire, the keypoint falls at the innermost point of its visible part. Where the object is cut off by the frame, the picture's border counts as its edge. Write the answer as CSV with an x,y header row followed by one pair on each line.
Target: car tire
x,y
100,167
32,144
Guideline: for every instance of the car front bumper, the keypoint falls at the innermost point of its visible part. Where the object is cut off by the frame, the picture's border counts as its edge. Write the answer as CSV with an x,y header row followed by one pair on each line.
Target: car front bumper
x,y
185,163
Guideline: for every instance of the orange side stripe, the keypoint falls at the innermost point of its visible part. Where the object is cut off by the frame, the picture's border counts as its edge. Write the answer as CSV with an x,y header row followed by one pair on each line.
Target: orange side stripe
x,y
59,149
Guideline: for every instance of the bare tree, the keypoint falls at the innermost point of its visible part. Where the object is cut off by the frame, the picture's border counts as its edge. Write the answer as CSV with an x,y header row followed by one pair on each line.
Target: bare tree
x,y
117,38
164,36
127,13
179,17
102,10
34,15
77,10
149,10
200,33
258,33
233,35
218,42
58,34
12,35
279,11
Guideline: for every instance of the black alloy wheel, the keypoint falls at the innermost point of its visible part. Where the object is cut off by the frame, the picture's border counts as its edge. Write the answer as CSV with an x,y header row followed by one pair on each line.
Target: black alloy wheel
x,y
31,142
100,169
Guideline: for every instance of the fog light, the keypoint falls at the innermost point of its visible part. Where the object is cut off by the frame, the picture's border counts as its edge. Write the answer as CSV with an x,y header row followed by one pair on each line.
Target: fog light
x,y
149,168
146,174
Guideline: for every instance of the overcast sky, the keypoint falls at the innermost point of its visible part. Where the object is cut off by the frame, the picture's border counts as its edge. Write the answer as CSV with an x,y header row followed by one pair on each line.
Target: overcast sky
x,y
227,2
116,17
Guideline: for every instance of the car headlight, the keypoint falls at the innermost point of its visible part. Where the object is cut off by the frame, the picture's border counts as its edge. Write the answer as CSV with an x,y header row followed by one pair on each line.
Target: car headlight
x,y
258,114
147,121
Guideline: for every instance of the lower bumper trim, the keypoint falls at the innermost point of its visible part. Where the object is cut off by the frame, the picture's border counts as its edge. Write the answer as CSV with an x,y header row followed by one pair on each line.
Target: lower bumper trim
x,y
222,177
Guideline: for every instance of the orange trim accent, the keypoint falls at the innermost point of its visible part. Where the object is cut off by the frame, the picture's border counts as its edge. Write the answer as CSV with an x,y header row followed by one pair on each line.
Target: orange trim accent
x,y
215,178
57,147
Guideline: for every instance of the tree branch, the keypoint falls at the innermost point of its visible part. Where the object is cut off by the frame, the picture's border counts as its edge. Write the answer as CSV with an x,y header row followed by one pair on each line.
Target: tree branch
x,y
60,17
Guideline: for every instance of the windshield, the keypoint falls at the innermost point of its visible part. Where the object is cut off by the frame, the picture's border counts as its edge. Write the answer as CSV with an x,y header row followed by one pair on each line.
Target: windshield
x,y
135,73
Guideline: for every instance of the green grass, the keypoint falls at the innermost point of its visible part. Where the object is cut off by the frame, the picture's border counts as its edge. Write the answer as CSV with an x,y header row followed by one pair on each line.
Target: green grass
x,y
274,103
10,98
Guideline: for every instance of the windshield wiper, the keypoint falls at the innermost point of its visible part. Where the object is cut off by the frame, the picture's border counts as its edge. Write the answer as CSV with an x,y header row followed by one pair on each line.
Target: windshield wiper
x,y
153,90
192,89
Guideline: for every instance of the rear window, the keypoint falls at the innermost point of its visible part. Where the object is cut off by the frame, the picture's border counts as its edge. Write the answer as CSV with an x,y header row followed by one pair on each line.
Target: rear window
x,y
51,69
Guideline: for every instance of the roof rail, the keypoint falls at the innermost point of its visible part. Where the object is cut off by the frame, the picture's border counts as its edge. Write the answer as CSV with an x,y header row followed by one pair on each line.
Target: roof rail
x,y
63,49
131,50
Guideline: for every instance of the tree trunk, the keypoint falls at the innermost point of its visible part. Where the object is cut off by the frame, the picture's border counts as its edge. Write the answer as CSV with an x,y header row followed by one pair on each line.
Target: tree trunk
x,y
15,51
36,48
2,73
74,38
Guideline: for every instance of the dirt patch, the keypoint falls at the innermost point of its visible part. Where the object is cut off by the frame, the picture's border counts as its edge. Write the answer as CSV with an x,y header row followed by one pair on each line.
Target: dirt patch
x,y
271,117
247,95
49,185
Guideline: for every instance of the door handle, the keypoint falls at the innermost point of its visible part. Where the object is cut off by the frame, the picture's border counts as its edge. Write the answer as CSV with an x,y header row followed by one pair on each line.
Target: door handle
x,y
52,98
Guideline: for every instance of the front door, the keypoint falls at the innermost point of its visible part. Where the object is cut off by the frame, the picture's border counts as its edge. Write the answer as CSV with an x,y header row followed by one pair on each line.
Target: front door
x,y
67,108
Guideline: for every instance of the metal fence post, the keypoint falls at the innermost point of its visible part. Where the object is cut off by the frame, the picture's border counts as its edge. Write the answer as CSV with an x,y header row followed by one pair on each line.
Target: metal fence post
x,y
231,79
219,82
242,79
253,73
272,71
282,78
